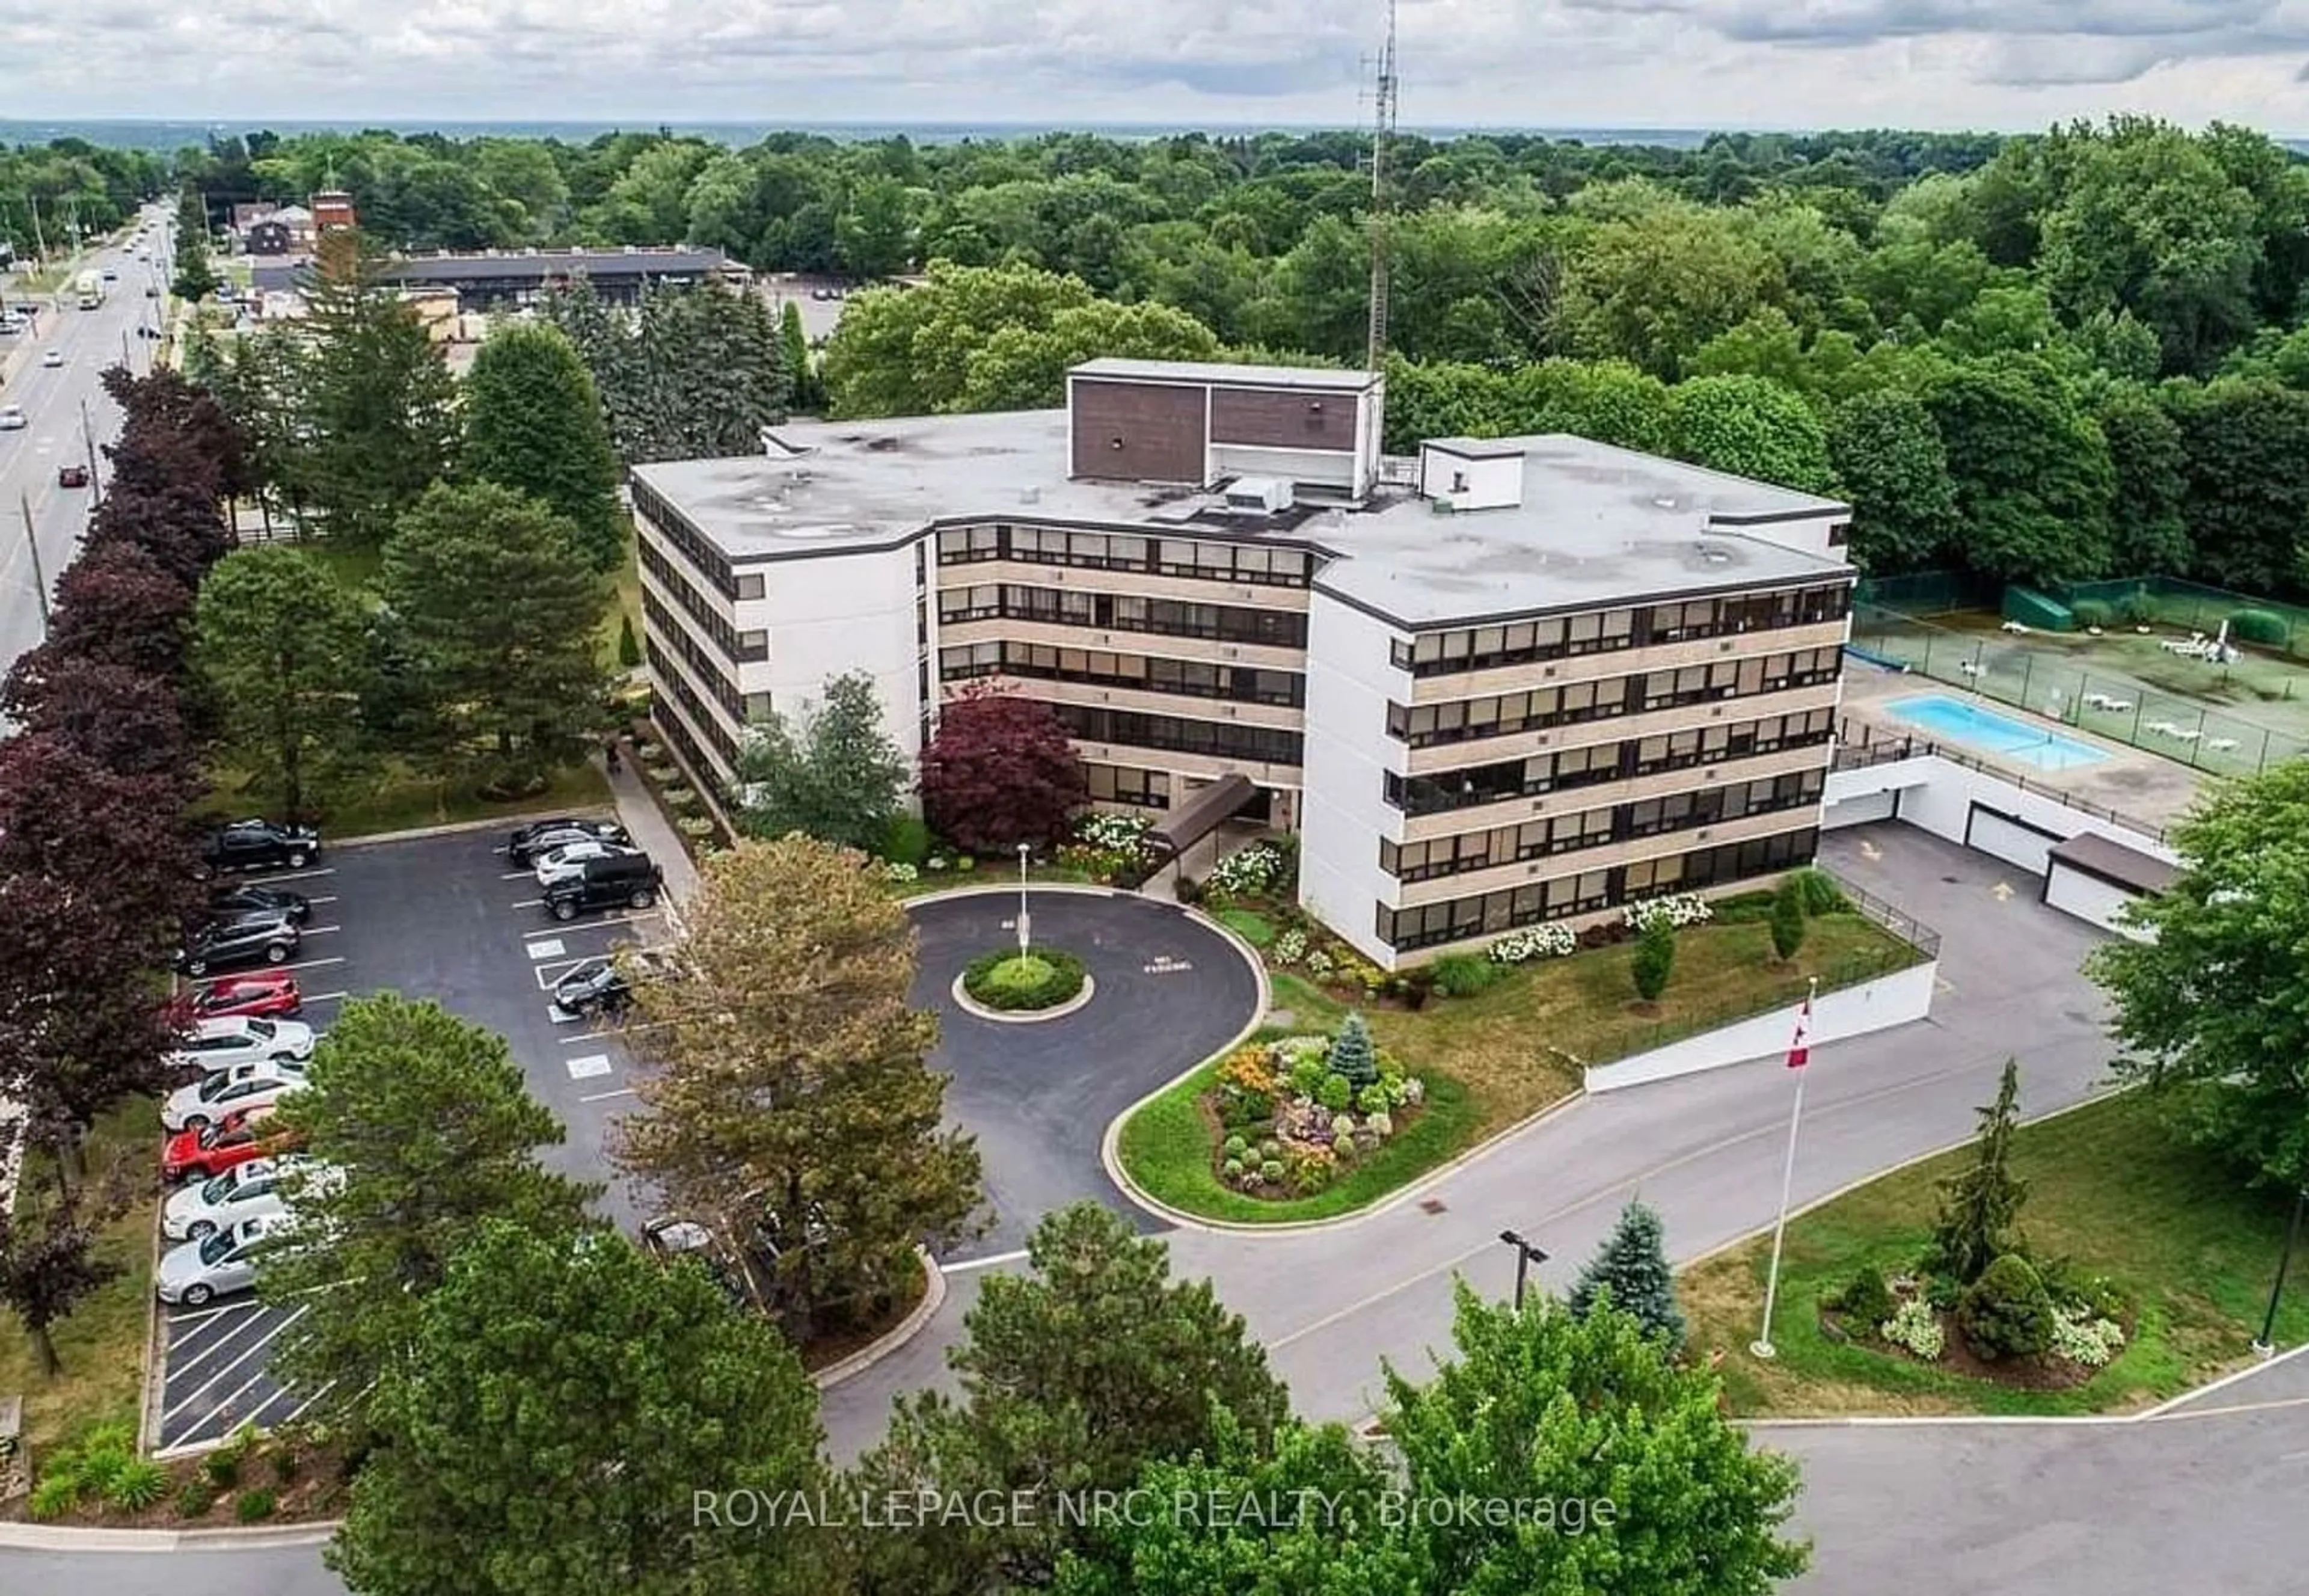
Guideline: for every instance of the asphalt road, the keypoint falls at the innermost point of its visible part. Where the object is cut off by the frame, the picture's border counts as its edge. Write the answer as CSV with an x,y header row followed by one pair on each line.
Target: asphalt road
x,y
90,340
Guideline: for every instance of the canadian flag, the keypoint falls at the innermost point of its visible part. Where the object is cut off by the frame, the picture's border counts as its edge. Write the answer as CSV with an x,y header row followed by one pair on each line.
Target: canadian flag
x,y
1800,1046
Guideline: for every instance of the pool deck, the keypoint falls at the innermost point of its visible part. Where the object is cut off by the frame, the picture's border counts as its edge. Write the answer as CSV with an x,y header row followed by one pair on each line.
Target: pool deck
x,y
2143,786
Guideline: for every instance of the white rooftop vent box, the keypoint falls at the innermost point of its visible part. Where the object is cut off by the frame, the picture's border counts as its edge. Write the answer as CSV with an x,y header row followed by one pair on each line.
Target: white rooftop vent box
x,y
1258,496
1471,473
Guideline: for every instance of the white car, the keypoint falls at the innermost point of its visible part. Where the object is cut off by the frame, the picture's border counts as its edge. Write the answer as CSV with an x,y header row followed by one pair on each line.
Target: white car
x,y
216,1045
12,417
226,1262
562,863
54,357
250,1190
228,1091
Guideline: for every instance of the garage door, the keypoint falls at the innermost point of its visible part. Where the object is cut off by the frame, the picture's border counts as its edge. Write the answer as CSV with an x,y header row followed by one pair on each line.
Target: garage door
x,y
2008,837
1861,808
2088,897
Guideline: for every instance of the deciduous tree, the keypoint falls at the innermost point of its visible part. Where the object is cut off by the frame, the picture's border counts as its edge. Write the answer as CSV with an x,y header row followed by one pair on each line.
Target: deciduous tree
x,y
51,1259
1631,1269
562,1402
2207,1011
2032,473
1075,1377
430,1130
499,610
2150,532
999,771
831,772
275,634
125,721
1751,427
533,423
1886,451
789,1076
116,605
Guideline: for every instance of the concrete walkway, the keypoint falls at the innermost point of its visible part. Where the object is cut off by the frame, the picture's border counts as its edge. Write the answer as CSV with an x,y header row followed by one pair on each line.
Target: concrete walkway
x,y
651,832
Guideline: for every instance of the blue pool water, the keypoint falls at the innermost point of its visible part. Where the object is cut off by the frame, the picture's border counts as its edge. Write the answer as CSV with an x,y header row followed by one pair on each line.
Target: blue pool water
x,y
1960,720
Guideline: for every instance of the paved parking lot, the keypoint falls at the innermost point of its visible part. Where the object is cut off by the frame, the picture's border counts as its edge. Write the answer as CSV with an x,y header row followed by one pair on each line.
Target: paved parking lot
x,y
447,918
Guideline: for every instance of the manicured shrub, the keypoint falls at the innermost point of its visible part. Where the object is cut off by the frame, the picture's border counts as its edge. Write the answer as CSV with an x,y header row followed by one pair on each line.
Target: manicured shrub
x,y
1630,1269
908,841
1375,1098
136,1485
54,1496
1743,908
254,1504
1819,891
1335,1093
1865,1298
1008,980
1236,1147
2137,609
195,1498
285,1466
1271,1171
2258,626
2083,1337
1787,920
221,1468
1915,1328
2091,612
1654,958
1353,1056
1232,1170
2007,1312
1464,974
629,648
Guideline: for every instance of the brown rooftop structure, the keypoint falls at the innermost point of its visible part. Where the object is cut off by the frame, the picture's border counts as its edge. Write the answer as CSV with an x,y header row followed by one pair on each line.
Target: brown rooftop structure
x,y
2107,860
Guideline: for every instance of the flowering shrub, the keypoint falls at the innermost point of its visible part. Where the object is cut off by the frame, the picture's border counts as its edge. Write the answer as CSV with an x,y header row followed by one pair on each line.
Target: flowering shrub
x,y
1288,1120
2082,1337
1551,940
1250,1069
1915,1328
1678,909
1381,1125
1252,870
1289,948
1318,963
1122,833
894,872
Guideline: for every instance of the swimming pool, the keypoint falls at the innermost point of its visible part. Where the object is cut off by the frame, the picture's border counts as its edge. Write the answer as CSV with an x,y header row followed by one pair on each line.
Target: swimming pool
x,y
1960,720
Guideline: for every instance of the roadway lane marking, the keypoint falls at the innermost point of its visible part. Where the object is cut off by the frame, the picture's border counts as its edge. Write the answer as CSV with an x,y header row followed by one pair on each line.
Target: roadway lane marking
x,y
585,1066
550,947
606,1097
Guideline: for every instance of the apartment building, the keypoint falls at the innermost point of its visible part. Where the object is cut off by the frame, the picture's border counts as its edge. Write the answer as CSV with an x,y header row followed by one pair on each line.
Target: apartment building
x,y
1507,680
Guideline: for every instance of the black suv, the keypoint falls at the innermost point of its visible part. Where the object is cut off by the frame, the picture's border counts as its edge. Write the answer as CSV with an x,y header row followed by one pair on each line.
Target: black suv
x,y
623,880
229,944
259,845
540,836
233,903
597,987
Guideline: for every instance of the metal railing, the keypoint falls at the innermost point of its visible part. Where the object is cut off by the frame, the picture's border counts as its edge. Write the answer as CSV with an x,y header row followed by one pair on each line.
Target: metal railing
x,y
1886,750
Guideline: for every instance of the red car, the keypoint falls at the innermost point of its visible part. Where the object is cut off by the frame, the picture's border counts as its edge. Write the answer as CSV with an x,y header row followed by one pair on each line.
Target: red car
x,y
261,996
236,1139
72,476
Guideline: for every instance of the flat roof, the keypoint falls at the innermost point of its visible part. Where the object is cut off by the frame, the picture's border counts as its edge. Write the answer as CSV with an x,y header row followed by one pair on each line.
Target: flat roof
x,y
2112,862
594,262
1191,371
1596,524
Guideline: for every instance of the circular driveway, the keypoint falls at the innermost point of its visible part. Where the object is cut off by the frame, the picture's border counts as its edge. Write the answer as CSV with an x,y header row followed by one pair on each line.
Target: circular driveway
x,y
1170,992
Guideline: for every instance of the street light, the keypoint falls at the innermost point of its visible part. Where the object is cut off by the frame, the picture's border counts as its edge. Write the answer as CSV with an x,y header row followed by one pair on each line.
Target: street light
x,y
1023,849
2267,1343
1527,1256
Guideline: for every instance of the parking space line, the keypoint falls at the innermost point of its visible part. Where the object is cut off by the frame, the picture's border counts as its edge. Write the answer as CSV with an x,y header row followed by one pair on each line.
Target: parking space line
x,y
551,971
261,1343
517,875
307,1402
211,1336
605,1096
224,1408
529,903
327,997
201,1315
309,964
296,875
606,921
318,931
328,898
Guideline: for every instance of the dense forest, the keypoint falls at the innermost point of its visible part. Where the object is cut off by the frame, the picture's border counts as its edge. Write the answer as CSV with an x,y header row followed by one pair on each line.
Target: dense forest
x,y
2046,358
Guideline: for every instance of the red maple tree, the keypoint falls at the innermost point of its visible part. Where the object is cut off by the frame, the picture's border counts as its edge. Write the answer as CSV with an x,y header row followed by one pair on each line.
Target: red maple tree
x,y
1001,771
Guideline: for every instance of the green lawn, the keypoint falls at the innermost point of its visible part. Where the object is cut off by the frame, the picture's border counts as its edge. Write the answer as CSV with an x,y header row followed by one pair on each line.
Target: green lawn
x,y
2108,1189
102,1345
399,800
1256,930
1493,1060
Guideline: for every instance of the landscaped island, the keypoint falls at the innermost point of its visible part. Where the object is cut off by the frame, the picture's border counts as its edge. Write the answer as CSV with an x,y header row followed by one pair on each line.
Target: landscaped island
x,y
1473,1044
1024,980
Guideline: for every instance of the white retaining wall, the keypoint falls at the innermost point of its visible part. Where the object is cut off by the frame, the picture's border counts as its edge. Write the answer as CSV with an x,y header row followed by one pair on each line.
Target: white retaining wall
x,y
1851,1011
1938,795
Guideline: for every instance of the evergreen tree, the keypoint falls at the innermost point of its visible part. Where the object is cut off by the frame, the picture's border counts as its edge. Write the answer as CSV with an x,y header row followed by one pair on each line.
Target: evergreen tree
x,y
533,423
1630,1271
1353,1053
379,420
685,373
790,1086
1980,1202
559,1407
802,382
1788,923
836,775
429,1130
1655,958
629,648
499,614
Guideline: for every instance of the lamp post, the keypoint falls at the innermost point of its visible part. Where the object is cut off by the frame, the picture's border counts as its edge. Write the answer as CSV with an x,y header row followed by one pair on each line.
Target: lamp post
x,y
2267,1341
1023,850
1527,1256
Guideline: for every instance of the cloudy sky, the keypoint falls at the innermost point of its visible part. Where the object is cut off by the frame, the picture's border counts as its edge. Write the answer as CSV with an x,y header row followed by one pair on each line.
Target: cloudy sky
x,y
2004,63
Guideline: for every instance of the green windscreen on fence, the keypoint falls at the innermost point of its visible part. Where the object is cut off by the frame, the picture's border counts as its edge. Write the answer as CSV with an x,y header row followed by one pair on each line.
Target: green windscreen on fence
x,y
2031,608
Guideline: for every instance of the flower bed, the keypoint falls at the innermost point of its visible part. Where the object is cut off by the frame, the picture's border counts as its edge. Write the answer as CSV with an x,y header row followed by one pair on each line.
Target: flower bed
x,y
1292,1113
1021,983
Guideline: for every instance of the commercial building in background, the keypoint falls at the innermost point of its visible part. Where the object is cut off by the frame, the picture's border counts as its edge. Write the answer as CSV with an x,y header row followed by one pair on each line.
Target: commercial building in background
x,y
1503,682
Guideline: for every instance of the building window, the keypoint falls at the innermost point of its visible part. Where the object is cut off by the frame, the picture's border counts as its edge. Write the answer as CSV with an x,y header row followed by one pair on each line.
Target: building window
x,y
1127,784
1196,679
1173,617
1172,734
1210,560
750,586
682,535
1840,533
753,646
1485,649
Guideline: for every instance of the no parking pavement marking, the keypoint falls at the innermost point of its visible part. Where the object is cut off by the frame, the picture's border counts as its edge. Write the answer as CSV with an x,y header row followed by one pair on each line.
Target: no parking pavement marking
x,y
1167,964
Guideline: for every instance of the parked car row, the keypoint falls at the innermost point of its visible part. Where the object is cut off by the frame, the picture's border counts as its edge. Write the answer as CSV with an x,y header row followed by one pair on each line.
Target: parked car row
x,y
246,922
584,866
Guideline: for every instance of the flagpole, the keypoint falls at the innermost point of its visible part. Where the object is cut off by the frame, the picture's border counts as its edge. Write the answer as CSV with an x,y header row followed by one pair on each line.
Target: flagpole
x,y
1798,1060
